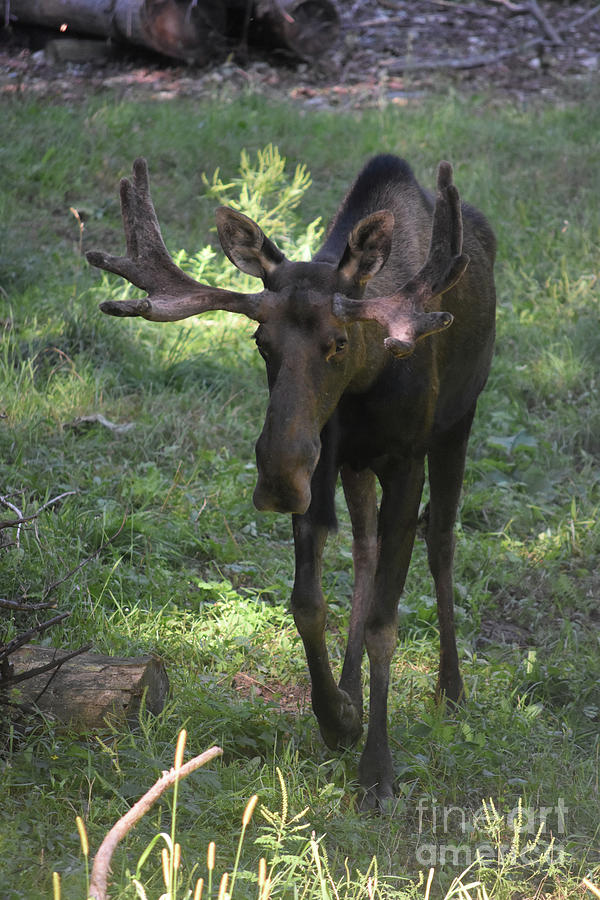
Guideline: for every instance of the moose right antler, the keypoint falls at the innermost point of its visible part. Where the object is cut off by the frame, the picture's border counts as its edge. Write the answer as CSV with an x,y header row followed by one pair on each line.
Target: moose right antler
x,y
404,315
172,295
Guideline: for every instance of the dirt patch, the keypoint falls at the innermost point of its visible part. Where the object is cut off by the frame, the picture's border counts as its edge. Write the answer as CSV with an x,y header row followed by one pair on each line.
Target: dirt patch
x,y
289,698
388,51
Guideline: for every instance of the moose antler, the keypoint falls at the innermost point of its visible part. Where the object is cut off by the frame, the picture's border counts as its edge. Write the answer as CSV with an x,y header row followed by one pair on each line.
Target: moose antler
x,y
172,294
404,314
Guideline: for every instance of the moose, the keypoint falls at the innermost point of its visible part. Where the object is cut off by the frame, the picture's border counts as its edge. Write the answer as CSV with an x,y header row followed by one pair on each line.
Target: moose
x,y
366,380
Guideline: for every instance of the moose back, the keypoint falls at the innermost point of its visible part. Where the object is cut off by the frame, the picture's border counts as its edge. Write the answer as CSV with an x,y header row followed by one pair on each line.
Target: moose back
x,y
376,351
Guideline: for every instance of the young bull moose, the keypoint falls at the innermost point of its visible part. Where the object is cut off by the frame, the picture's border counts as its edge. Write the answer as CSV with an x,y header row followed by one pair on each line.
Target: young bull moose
x,y
366,378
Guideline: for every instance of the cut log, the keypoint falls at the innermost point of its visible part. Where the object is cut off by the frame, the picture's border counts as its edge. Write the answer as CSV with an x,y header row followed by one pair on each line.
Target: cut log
x,y
309,28
89,690
193,30
184,29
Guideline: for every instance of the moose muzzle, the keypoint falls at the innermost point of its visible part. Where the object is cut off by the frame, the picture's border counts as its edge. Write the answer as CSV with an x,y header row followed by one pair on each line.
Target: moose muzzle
x,y
285,469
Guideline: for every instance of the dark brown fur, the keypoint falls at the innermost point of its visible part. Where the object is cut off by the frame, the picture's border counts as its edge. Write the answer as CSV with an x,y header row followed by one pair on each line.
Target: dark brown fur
x,y
367,380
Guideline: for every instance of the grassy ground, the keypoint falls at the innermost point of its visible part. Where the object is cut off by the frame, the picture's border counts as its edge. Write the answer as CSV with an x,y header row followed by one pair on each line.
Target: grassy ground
x,y
198,577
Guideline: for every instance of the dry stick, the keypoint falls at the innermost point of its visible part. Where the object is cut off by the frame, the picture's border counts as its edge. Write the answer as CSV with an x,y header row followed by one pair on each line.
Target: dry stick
x,y
12,506
471,62
54,500
22,518
16,510
461,7
511,7
55,664
21,606
17,642
543,21
99,877
12,523
583,18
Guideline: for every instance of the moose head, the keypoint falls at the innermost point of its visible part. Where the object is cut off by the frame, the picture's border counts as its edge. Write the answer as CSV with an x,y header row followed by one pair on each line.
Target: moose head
x,y
319,335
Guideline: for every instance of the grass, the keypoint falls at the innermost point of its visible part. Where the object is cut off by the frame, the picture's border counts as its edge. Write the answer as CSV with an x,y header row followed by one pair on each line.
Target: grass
x,y
197,576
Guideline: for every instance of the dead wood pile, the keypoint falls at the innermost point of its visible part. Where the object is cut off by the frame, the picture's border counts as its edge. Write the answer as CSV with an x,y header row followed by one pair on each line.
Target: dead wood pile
x,y
192,30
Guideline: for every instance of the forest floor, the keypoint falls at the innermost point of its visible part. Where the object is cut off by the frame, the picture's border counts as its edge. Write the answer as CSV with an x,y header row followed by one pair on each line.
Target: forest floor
x,y
388,51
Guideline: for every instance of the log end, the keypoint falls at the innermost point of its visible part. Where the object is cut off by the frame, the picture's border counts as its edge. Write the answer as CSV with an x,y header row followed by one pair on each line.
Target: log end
x,y
91,689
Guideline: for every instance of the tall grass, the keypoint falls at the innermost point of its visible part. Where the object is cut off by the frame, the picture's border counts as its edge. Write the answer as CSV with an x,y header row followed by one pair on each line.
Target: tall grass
x,y
195,575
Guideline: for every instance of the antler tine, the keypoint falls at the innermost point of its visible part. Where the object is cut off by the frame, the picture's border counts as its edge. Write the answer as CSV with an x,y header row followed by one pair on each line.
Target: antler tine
x,y
137,210
445,261
172,295
142,233
447,191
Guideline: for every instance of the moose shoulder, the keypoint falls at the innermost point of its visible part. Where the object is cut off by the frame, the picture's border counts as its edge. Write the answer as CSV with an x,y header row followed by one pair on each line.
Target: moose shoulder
x,y
376,351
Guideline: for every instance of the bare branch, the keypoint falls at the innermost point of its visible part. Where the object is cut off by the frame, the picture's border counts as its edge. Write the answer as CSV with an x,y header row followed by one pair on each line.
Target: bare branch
x,y
54,500
410,64
17,642
100,868
515,8
581,19
549,29
21,606
13,523
15,509
23,519
55,664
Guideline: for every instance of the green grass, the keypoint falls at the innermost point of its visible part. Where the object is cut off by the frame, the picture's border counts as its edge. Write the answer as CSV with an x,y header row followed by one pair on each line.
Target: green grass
x,y
197,576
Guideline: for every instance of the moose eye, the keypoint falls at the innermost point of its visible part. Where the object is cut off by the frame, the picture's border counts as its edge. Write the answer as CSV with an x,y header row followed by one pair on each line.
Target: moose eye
x,y
335,347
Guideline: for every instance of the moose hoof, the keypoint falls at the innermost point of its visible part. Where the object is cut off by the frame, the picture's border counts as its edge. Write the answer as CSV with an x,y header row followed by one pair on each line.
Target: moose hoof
x,y
343,728
380,798
376,777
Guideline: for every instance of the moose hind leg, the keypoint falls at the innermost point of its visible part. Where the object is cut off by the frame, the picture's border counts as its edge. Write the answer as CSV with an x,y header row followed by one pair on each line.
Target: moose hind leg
x,y
446,463
339,719
402,484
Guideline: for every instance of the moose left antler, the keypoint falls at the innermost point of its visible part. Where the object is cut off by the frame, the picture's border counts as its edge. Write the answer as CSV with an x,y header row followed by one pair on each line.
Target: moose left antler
x,y
333,333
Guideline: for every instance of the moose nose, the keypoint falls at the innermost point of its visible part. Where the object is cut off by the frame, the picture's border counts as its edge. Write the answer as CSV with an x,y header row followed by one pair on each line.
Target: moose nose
x,y
284,475
283,499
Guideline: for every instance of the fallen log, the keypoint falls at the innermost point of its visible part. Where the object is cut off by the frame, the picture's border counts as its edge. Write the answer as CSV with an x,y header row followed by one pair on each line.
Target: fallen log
x,y
192,30
184,29
90,689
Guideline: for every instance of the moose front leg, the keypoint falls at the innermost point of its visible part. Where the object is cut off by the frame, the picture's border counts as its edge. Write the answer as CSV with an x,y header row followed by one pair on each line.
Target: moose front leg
x,y
339,719
402,485
361,498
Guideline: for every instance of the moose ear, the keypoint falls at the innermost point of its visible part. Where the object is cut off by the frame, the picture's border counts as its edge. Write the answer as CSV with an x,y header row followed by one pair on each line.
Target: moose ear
x,y
245,243
368,248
